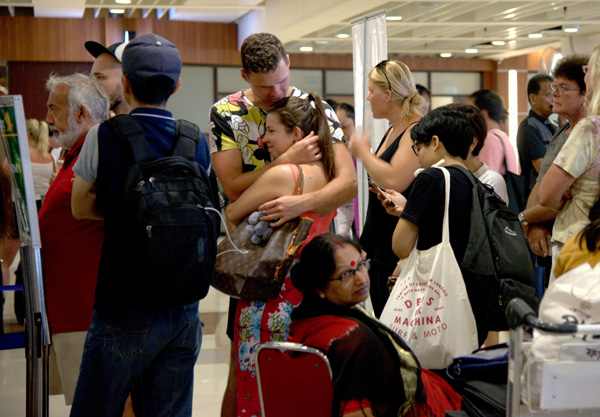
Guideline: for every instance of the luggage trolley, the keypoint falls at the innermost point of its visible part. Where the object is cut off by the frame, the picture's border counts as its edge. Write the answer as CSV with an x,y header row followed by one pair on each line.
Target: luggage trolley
x,y
568,388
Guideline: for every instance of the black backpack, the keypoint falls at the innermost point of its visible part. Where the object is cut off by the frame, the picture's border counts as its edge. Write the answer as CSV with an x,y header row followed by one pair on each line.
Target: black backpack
x,y
169,224
496,262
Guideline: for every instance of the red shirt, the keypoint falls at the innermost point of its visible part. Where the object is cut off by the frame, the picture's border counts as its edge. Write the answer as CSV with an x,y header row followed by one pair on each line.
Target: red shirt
x,y
70,254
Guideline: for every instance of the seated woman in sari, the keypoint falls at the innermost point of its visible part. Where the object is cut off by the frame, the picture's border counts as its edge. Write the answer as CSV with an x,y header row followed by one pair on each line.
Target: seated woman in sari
x,y
260,321
374,372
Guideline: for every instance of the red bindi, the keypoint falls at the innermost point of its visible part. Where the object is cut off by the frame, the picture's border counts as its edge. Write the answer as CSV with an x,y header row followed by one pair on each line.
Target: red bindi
x,y
352,263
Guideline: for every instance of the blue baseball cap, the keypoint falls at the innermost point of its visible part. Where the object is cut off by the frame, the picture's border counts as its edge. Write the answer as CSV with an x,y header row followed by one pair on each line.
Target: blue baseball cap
x,y
149,56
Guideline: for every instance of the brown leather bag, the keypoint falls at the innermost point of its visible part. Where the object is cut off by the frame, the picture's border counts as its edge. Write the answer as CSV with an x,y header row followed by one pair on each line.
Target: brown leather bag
x,y
258,275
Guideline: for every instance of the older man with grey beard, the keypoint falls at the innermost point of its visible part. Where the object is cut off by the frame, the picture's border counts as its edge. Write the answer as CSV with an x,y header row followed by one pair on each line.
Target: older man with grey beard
x,y
70,248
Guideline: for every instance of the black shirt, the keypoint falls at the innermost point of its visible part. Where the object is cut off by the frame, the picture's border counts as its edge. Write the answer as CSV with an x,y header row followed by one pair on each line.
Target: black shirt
x,y
425,208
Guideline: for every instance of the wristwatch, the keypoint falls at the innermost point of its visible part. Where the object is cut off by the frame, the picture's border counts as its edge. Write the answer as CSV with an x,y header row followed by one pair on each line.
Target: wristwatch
x,y
522,219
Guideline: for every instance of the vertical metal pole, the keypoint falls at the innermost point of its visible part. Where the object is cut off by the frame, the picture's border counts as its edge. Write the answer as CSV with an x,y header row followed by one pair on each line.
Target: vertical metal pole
x,y
38,338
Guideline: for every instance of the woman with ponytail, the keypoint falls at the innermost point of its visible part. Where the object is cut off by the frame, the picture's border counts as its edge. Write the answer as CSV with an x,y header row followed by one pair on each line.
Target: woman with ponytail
x,y
393,96
260,321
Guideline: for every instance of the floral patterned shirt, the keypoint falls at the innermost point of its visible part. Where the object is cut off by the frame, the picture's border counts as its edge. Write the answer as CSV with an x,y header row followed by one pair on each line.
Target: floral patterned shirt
x,y
580,158
236,123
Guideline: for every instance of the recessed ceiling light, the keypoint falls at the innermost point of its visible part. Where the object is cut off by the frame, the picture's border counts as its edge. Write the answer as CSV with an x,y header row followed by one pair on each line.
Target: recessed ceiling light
x,y
117,11
512,35
571,28
322,42
471,50
123,1
513,29
510,10
498,43
535,35
342,35
445,54
510,16
306,48
393,18
512,42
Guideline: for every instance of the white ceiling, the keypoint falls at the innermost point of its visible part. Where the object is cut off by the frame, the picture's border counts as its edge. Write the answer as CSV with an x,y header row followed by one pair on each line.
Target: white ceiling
x,y
427,28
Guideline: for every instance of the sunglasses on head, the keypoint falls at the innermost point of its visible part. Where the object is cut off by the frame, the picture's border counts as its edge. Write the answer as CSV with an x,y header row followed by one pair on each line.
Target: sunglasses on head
x,y
381,66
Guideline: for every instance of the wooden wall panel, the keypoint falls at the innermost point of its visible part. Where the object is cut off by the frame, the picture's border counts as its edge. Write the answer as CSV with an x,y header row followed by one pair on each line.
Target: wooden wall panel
x,y
29,80
205,43
52,40
329,61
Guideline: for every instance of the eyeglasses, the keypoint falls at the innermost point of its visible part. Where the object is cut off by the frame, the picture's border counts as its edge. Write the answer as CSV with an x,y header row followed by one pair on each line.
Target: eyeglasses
x,y
585,68
416,148
560,90
349,275
381,66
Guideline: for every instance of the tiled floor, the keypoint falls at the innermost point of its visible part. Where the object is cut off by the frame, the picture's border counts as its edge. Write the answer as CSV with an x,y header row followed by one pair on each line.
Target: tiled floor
x,y
210,373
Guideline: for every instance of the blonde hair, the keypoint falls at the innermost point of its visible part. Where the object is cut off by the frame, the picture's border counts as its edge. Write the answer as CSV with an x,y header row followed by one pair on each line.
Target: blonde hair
x,y
594,70
401,84
38,131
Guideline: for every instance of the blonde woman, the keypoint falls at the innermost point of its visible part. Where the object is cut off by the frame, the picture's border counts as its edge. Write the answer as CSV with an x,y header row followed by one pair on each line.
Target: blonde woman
x,y
393,96
43,165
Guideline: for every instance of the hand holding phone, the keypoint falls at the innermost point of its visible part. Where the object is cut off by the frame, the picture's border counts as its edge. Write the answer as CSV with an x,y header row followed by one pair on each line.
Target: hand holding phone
x,y
378,188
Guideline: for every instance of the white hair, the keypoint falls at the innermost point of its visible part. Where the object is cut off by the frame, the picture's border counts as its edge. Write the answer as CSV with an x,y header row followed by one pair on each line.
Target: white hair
x,y
84,91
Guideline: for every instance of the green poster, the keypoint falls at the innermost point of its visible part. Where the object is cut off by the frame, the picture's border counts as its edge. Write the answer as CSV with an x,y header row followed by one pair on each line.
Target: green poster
x,y
14,136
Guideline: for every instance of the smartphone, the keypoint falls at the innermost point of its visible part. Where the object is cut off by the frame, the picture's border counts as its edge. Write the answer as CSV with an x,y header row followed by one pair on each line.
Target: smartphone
x,y
381,191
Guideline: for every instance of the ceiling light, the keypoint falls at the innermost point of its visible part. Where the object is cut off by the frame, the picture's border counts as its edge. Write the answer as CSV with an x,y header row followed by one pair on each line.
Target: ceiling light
x,y
117,11
535,35
512,42
322,42
512,35
393,18
342,35
510,10
512,29
510,16
123,1
571,28
498,43
306,48
471,50
445,54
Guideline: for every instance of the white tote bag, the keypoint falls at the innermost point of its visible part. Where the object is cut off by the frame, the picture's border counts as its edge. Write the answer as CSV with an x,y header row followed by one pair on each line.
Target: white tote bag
x,y
429,307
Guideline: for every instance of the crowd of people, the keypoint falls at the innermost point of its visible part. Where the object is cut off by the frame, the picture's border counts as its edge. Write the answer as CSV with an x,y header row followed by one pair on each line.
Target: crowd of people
x,y
287,153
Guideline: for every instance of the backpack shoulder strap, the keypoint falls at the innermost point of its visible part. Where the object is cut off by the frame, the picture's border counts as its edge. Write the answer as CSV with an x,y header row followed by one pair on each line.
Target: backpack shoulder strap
x,y
126,128
188,137
467,174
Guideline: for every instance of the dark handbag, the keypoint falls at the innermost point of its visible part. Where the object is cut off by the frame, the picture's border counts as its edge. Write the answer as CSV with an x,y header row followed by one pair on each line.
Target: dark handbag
x,y
258,275
486,364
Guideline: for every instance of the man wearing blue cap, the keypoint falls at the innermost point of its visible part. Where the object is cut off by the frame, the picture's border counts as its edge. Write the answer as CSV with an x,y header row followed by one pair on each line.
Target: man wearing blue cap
x,y
131,339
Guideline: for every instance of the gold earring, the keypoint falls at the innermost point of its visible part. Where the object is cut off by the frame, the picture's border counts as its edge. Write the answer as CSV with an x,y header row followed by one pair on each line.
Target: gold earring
x,y
322,295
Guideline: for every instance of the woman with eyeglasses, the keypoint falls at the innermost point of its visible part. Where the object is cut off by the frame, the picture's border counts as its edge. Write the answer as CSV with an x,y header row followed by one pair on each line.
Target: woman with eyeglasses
x,y
393,96
571,184
374,372
568,101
